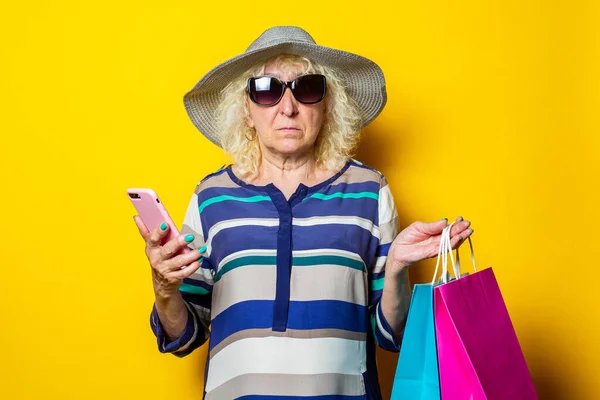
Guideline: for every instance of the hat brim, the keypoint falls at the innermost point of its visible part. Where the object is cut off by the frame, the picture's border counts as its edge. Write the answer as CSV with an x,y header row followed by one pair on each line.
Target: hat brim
x,y
363,78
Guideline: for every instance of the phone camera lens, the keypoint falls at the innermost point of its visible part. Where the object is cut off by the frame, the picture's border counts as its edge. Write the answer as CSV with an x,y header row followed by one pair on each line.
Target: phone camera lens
x,y
157,200
134,195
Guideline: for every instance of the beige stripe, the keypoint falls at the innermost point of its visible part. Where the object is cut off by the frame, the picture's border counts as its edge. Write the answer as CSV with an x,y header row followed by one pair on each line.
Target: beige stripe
x,y
222,181
388,231
357,175
289,385
293,333
250,282
321,282
198,239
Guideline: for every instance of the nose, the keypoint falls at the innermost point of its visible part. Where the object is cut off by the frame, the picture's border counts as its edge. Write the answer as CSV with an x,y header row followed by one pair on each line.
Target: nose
x,y
288,105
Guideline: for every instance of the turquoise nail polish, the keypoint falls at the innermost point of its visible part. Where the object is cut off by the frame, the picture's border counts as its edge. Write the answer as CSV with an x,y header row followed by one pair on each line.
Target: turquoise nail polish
x,y
163,226
189,238
472,231
200,259
460,238
460,219
202,249
443,219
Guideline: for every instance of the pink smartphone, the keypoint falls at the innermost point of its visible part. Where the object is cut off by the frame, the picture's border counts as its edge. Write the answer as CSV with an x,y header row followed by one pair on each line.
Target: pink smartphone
x,y
152,211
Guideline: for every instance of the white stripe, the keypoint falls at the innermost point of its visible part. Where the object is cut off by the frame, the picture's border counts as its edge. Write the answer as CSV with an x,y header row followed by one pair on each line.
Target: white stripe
x,y
284,355
343,220
380,263
326,252
233,223
192,216
387,208
385,333
204,275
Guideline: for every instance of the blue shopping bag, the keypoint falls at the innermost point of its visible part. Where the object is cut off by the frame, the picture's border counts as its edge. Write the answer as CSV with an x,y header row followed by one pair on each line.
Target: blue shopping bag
x,y
417,376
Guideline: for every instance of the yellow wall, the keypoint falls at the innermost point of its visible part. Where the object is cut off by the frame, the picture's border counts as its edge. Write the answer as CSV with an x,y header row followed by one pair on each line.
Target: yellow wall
x,y
492,114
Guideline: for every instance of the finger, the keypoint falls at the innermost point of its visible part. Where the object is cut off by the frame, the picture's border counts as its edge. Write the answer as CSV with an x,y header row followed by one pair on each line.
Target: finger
x,y
144,232
182,260
186,271
175,245
432,228
157,235
457,240
460,226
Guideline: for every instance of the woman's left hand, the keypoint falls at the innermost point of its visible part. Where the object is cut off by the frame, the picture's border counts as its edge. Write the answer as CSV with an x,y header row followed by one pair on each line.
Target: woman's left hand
x,y
421,240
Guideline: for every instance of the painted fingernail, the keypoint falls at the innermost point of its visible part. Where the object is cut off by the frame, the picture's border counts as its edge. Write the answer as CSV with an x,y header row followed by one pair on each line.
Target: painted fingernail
x,y
468,224
460,219
189,238
460,238
163,226
472,231
200,259
444,218
202,249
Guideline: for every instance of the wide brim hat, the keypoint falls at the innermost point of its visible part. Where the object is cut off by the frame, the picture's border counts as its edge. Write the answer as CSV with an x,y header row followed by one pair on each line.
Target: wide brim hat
x,y
363,78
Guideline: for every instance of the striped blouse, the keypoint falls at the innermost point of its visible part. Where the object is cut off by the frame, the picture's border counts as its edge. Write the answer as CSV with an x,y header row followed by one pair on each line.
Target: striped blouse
x,y
288,294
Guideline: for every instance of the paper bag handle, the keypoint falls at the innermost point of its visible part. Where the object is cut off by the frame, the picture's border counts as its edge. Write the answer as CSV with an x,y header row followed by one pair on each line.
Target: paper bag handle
x,y
444,248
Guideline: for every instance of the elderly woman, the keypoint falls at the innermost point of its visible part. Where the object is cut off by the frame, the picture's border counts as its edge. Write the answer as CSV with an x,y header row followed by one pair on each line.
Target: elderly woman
x,y
302,271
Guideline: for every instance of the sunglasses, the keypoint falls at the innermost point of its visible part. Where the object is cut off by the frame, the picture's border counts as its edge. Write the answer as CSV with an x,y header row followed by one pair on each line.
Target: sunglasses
x,y
268,90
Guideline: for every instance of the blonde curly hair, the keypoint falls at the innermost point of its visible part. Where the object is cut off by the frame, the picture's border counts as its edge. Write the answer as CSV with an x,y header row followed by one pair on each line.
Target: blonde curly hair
x,y
339,136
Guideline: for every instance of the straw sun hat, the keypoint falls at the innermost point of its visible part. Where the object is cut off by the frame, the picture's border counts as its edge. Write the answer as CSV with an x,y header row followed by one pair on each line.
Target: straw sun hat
x,y
363,78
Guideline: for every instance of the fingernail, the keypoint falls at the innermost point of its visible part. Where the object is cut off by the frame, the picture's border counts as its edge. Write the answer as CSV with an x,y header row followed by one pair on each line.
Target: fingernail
x,y
202,249
468,224
134,217
460,219
189,238
460,238
472,231
443,219
200,259
163,226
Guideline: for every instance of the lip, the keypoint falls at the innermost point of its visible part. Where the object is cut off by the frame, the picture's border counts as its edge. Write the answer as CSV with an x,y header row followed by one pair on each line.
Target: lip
x,y
288,129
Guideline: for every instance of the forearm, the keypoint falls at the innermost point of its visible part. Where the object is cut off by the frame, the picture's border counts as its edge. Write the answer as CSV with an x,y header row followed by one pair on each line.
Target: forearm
x,y
173,314
395,299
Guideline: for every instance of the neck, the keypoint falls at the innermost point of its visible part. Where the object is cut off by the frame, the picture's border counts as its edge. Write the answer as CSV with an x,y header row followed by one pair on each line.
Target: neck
x,y
278,168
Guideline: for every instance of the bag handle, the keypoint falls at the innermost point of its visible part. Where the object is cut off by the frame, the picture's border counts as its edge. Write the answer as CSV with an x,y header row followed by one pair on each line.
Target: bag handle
x,y
472,257
444,248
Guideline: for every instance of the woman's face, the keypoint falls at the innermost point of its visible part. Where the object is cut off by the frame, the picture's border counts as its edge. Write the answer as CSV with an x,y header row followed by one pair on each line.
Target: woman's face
x,y
289,127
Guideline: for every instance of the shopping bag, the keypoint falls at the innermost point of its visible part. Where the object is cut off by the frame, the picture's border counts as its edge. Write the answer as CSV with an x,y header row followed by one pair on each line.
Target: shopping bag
x,y
417,370
479,355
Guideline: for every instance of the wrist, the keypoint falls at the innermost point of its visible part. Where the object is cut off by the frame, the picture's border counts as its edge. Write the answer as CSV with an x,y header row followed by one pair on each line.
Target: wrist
x,y
393,269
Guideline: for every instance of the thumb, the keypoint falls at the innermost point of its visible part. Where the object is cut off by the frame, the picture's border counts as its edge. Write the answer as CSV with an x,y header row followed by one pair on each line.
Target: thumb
x,y
432,228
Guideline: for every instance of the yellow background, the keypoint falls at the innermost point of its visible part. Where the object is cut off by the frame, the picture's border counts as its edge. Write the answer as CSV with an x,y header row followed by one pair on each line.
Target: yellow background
x,y
492,114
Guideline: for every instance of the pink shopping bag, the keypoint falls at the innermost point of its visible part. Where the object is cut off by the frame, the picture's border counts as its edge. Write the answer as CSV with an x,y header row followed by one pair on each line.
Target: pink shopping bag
x,y
479,354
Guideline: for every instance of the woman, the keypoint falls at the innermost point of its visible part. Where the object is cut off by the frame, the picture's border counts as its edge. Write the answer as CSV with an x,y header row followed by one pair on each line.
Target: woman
x,y
302,271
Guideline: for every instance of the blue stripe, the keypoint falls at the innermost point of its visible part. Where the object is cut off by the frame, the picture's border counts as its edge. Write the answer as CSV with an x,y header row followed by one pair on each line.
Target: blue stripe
x,y
378,275
318,314
383,249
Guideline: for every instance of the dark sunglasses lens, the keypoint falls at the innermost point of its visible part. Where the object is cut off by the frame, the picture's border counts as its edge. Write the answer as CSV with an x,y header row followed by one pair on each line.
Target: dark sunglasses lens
x,y
310,88
265,90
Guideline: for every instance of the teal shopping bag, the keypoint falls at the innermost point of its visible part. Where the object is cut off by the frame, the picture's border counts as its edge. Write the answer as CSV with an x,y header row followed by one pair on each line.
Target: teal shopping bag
x,y
417,376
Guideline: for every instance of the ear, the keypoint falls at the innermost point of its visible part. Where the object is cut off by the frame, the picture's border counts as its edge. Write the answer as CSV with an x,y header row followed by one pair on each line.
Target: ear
x,y
249,121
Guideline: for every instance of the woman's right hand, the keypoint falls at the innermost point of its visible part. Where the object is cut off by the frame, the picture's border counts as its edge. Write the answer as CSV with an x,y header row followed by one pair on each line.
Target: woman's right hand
x,y
168,267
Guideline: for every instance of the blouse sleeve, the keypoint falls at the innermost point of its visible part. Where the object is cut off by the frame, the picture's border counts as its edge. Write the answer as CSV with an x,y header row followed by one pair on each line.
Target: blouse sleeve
x,y
196,291
388,229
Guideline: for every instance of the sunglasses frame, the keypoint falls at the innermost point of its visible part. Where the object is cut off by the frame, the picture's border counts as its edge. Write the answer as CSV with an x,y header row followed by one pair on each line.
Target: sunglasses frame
x,y
288,84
